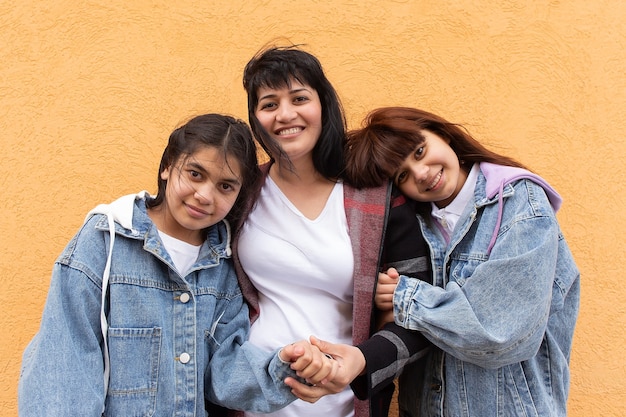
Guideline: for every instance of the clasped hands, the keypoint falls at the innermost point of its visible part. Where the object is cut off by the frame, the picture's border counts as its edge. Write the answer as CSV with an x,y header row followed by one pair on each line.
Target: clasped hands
x,y
331,376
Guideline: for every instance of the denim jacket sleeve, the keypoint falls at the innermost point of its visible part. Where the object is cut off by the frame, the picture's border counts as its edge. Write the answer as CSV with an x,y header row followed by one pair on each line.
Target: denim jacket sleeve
x,y
494,308
241,376
62,368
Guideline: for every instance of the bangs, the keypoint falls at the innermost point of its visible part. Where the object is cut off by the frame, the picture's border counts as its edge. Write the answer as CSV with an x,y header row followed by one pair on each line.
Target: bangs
x,y
275,79
394,147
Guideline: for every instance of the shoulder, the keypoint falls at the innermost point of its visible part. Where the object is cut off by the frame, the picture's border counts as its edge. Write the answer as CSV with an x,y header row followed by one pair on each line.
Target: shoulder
x,y
366,198
90,233
521,199
86,252
532,194
499,179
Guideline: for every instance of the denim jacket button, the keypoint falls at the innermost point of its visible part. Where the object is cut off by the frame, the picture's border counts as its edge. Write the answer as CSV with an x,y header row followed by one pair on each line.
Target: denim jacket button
x,y
184,297
184,357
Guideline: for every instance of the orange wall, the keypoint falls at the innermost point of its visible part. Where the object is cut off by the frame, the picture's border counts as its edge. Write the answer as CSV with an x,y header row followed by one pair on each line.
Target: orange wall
x,y
89,92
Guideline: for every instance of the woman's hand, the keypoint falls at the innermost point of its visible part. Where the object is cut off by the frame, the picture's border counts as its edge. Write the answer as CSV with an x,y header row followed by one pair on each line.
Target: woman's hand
x,y
351,363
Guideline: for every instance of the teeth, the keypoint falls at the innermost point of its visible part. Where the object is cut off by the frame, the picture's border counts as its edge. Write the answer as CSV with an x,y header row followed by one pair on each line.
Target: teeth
x,y
435,180
289,131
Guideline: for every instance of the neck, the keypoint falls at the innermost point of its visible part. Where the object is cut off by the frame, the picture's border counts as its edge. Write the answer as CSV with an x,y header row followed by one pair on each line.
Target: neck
x,y
300,173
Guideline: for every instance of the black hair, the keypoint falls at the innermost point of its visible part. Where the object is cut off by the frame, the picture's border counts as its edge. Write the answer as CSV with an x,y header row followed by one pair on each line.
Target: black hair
x,y
276,67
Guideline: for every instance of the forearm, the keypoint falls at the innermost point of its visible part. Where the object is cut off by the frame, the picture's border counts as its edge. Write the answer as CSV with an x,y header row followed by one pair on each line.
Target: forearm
x,y
386,354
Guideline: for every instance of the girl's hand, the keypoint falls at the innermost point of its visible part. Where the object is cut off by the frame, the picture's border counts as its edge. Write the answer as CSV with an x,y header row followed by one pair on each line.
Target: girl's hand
x,y
385,287
351,364
309,363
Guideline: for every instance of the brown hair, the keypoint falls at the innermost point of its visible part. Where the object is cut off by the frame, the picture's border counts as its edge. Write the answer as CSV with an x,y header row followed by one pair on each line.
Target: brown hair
x,y
390,134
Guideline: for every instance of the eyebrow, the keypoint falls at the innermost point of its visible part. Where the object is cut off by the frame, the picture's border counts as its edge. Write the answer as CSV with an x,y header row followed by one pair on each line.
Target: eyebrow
x,y
232,181
292,91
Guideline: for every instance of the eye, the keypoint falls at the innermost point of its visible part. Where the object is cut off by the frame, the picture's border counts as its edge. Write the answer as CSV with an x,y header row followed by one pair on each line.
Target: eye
x,y
419,152
400,177
194,175
267,105
301,99
227,187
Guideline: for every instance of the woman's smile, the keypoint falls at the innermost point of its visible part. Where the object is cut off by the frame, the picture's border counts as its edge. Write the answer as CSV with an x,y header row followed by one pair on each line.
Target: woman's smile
x,y
289,131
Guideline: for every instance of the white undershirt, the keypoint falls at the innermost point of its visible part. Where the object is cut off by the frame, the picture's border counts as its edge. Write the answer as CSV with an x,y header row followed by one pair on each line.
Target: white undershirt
x,y
183,254
303,271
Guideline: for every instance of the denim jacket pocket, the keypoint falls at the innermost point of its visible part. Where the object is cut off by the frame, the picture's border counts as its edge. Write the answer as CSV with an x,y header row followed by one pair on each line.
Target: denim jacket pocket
x,y
134,355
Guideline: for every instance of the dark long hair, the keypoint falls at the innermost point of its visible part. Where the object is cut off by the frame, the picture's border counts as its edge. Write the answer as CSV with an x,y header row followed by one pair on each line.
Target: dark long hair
x,y
389,134
225,133
276,67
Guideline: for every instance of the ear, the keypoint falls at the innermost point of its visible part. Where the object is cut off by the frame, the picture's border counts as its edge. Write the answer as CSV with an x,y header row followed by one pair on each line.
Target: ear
x,y
165,174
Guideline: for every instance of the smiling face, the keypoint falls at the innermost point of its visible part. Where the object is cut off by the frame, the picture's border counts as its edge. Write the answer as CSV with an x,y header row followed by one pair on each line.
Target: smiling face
x,y
201,189
291,115
431,173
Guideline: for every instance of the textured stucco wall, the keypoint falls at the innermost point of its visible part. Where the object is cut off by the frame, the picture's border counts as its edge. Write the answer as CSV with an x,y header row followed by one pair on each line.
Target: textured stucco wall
x,y
89,91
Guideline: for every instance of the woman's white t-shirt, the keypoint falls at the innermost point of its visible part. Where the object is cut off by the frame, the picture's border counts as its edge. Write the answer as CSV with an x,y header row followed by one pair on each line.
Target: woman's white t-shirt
x,y
303,271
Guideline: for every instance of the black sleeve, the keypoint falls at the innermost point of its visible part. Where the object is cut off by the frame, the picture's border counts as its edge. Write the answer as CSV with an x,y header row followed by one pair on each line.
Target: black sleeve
x,y
386,353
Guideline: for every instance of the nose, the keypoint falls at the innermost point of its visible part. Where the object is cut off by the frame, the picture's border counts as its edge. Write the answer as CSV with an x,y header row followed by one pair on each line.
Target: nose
x,y
286,113
204,193
419,172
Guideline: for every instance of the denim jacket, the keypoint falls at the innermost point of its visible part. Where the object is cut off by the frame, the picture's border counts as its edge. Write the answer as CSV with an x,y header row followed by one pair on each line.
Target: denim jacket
x,y
502,308
172,340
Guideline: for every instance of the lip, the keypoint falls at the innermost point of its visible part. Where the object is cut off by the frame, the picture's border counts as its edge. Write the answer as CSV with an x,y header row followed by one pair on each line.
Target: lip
x,y
435,182
288,131
196,212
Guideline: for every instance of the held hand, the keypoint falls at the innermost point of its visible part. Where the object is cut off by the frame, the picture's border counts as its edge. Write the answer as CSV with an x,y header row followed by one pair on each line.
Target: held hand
x,y
350,358
351,364
385,287
308,393
309,363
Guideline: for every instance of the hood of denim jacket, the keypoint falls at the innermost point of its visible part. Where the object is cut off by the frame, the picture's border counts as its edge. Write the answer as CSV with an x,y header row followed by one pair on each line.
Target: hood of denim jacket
x,y
499,176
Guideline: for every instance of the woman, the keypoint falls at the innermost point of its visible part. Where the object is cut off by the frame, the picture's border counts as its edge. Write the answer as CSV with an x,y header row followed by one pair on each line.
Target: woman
x,y
308,253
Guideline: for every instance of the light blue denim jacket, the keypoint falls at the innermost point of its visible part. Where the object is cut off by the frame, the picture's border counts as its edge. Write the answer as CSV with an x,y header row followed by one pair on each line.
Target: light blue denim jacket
x,y
502,308
172,340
